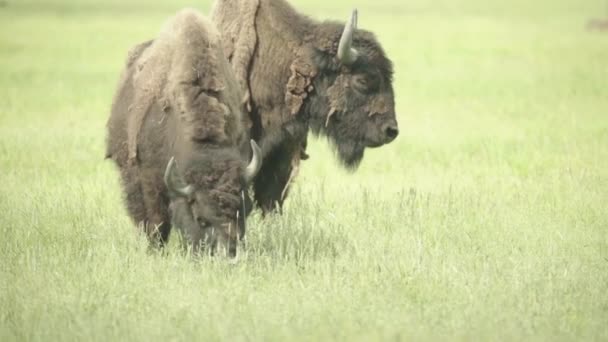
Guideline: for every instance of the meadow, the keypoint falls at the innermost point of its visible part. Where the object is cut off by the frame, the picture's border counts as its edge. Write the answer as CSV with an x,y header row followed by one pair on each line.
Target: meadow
x,y
486,219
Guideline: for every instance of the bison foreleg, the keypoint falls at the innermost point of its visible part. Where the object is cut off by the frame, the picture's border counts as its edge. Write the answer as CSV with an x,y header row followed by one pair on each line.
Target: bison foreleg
x,y
295,168
271,184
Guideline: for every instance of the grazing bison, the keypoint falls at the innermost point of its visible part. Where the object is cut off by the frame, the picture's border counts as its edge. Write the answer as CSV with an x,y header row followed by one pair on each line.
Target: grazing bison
x,y
301,74
176,134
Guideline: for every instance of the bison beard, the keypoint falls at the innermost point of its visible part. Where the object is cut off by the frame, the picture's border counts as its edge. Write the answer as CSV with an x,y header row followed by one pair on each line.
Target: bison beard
x,y
301,74
351,154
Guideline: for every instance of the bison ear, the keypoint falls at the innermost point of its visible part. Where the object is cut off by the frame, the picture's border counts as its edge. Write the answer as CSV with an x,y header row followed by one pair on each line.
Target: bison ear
x,y
326,61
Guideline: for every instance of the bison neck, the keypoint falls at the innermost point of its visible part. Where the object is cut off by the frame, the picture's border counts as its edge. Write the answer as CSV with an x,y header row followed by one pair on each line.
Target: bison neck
x,y
264,40
280,70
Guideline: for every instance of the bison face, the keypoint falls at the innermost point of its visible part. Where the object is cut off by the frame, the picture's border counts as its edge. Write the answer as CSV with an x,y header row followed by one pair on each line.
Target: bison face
x,y
211,217
354,104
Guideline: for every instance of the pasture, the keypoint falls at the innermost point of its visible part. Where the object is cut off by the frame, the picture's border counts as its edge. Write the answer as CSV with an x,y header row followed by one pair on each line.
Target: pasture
x,y
485,220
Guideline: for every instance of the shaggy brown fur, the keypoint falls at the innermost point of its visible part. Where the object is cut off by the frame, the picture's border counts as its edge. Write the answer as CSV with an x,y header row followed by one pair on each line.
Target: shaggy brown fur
x,y
297,82
178,97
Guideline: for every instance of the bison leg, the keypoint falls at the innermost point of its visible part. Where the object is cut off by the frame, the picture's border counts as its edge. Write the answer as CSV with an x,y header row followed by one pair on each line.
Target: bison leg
x,y
144,206
272,182
157,225
134,198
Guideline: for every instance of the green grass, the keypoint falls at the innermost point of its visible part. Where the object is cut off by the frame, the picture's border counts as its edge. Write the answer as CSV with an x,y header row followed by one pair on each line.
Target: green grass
x,y
485,220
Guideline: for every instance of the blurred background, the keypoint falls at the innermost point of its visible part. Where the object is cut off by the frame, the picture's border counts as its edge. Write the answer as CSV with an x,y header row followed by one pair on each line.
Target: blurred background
x,y
474,79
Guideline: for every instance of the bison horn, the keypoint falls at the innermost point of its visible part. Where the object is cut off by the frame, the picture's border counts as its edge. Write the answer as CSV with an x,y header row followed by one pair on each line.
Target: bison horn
x,y
255,164
170,177
346,53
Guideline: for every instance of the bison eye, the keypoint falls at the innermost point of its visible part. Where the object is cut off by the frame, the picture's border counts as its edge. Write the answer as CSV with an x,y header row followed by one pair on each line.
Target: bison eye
x,y
365,83
360,82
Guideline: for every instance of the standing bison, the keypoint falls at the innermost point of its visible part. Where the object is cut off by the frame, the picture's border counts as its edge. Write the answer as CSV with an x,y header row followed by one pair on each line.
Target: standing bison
x,y
176,134
301,74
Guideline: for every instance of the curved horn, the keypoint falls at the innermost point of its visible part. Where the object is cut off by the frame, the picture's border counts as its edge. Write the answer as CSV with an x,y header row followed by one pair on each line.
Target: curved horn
x,y
255,164
170,177
346,53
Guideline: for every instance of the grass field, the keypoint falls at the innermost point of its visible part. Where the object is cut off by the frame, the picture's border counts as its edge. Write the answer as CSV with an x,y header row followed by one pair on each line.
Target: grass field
x,y
486,219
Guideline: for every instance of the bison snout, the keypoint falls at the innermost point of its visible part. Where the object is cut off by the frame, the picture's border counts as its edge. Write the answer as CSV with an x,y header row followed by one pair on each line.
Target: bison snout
x,y
391,131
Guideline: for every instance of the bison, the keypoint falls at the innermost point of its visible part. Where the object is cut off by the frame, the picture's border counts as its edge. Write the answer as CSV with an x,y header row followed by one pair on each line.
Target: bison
x,y
177,135
300,74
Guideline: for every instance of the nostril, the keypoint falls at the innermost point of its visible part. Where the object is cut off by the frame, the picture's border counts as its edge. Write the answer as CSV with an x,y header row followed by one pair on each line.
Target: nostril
x,y
391,132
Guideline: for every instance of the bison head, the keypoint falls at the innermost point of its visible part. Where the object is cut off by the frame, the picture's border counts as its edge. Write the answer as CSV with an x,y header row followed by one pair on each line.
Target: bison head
x,y
353,104
210,211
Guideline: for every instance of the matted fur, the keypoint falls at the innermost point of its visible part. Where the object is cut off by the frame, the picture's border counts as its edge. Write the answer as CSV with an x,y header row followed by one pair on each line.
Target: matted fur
x,y
240,50
178,97
166,70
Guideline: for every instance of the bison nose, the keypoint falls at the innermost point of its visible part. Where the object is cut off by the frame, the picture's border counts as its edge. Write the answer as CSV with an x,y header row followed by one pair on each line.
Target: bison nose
x,y
391,131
